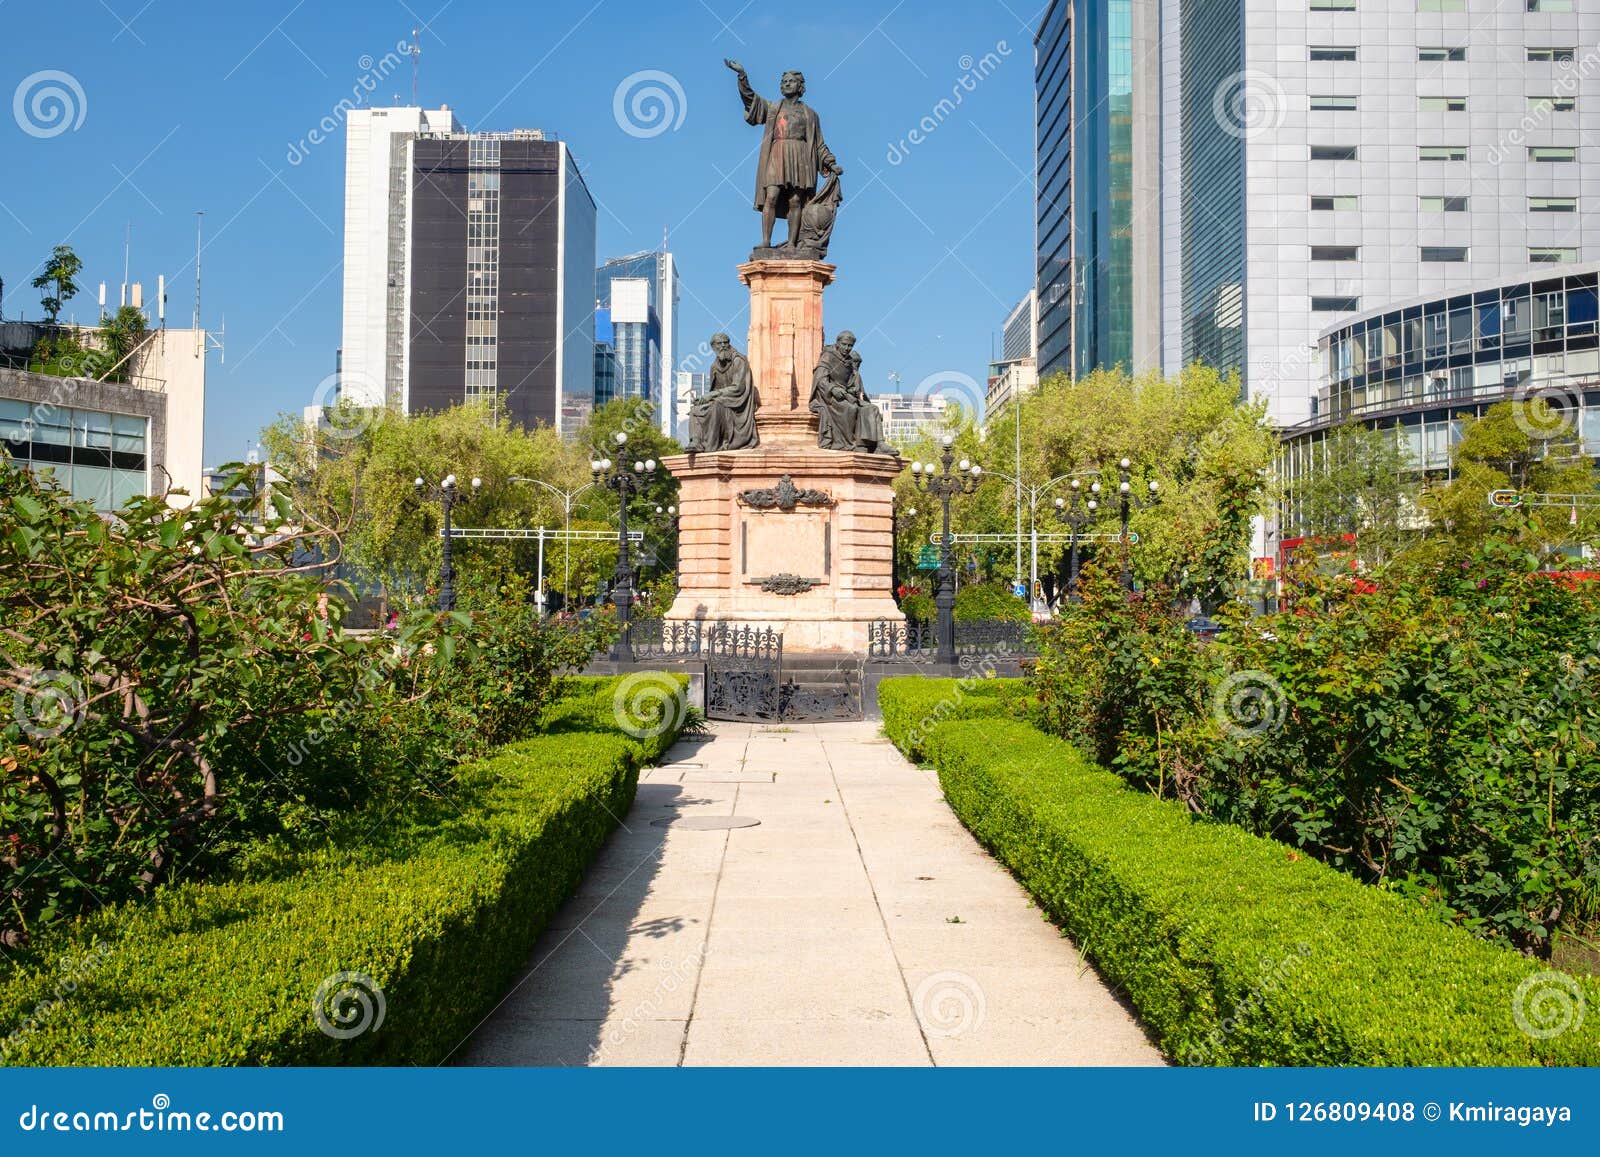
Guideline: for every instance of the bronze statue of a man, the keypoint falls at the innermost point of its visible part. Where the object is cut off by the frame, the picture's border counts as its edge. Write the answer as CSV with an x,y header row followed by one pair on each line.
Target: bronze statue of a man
x,y
792,153
846,417
724,417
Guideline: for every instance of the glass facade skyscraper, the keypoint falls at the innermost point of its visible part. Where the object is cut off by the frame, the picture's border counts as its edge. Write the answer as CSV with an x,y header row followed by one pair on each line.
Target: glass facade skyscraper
x,y
1053,152
1102,183
638,298
1227,180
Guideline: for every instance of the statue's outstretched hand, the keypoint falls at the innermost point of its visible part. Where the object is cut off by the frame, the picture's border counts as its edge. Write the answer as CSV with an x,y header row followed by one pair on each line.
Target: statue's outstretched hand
x,y
734,64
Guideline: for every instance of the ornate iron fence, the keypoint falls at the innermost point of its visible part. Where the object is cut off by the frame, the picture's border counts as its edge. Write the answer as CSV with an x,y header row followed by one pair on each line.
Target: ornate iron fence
x,y
659,639
887,639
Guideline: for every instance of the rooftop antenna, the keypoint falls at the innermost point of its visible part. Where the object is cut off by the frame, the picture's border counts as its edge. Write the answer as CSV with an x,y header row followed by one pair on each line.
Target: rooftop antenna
x,y
127,246
199,217
416,63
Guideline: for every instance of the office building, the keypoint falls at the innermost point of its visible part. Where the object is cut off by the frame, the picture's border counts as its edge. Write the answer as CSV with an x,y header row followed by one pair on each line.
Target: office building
x,y
691,384
1419,368
1015,371
469,269
637,303
906,417
105,441
1286,166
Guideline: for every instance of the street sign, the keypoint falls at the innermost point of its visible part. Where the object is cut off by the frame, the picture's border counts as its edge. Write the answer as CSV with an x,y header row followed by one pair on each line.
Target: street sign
x,y
1504,499
928,558
1020,590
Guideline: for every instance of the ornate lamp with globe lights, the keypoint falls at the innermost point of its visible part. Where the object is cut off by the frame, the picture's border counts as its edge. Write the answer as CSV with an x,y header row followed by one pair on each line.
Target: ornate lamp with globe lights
x,y
447,494
944,482
628,484
1078,513
1129,503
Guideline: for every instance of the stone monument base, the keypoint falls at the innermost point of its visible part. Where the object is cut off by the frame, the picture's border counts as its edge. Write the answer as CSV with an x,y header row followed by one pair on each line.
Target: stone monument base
x,y
787,536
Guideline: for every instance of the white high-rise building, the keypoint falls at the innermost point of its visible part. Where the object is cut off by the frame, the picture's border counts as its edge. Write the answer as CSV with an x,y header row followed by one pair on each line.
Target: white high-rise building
x,y
374,224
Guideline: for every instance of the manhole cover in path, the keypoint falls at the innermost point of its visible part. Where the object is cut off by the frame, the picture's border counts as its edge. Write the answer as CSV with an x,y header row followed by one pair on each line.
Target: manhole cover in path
x,y
706,823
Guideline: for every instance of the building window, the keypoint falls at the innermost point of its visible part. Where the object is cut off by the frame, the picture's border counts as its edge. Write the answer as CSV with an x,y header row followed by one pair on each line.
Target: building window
x,y
1333,52
1546,153
1444,204
1552,254
1441,152
1333,104
1334,204
1344,5
1550,104
1441,54
1552,204
1558,55
1442,103
1452,253
1546,5
1441,5
1335,304
1333,152
1335,252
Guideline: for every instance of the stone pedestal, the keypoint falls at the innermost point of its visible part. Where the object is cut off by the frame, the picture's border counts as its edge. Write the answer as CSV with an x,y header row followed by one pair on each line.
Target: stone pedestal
x,y
811,556
786,339
817,569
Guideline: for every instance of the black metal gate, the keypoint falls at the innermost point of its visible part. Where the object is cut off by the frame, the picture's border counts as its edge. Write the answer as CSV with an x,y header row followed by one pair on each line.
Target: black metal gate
x,y
744,673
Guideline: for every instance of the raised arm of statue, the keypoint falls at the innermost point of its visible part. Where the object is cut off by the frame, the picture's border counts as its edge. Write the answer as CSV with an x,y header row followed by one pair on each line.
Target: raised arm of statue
x,y
755,108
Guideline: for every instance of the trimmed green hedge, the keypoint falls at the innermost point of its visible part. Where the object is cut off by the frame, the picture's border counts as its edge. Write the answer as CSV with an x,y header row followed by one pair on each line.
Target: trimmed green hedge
x,y
912,705
440,908
1236,949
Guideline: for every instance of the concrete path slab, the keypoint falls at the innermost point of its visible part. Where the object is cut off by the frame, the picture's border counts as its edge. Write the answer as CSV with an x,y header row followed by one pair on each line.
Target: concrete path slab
x,y
858,923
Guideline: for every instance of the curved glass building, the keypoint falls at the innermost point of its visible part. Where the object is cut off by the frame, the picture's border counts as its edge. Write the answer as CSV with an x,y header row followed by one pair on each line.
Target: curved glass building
x,y
1419,367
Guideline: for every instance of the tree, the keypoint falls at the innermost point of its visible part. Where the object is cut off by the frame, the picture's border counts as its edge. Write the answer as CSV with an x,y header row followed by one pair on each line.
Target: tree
x,y
121,333
60,273
358,471
1511,448
1359,486
1210,453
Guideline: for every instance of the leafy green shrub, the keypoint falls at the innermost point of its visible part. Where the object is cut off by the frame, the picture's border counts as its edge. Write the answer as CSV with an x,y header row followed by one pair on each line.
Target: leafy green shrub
x,y
439,907
1233,948
990,602
1432,729
181,686
917,605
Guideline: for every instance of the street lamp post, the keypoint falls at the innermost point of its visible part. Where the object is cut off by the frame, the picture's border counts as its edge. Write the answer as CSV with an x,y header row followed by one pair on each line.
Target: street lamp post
x,y
1034,492
953,479
567,498
628,484
898,524
1077,514
1128,504
447,495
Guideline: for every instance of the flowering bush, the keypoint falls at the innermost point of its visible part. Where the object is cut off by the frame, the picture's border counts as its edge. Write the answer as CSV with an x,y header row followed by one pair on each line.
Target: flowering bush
x,y
1432,728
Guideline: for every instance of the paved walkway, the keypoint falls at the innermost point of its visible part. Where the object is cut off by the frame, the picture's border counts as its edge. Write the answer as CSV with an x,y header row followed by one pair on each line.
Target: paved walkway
x,y
857,924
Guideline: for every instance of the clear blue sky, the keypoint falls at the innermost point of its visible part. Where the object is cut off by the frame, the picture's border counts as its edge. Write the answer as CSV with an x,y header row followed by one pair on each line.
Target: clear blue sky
x,y
190,106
